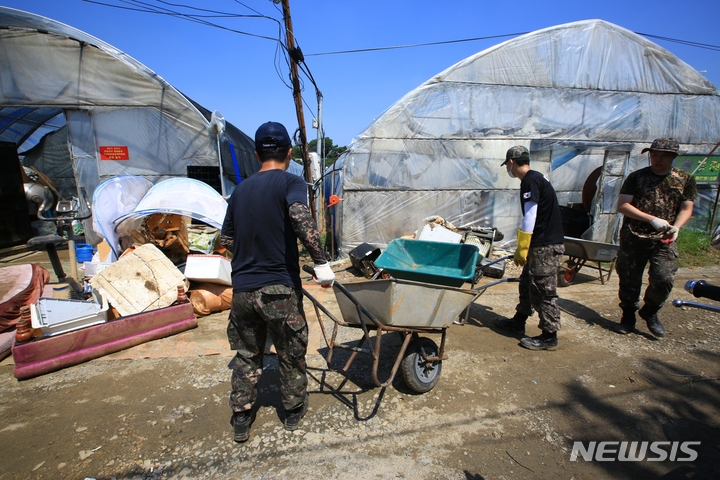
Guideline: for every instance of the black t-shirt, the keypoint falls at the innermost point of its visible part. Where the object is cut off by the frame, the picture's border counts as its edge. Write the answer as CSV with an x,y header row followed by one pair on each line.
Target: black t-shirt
x,y
265,250
548,223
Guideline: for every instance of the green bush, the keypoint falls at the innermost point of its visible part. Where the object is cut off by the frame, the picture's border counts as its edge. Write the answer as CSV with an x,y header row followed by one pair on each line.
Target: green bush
x,y
695,249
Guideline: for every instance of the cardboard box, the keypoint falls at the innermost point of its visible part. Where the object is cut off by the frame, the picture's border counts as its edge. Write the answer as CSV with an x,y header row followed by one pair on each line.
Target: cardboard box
x,y
209,268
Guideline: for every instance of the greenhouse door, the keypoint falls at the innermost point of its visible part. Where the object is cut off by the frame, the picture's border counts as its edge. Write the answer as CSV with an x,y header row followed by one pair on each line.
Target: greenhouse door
x,y
606,220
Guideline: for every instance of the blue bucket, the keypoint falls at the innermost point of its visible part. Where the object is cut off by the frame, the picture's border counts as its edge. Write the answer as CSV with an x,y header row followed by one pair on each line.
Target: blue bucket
x,y
84,252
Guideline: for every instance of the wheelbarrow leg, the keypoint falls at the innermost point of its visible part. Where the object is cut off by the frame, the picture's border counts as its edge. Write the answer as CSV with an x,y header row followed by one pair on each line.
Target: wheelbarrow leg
x,y
602,275
398,360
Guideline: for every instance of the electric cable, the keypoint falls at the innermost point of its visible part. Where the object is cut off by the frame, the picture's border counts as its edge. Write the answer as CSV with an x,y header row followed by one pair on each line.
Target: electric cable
x,y
416,45
688,43
191,18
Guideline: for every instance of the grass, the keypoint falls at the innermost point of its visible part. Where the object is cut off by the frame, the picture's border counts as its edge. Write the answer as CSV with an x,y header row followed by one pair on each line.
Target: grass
x,y
695,249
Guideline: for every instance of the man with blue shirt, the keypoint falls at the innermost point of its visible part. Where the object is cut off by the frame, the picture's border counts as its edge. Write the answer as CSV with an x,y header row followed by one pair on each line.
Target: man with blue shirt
x,y
267,214
540,247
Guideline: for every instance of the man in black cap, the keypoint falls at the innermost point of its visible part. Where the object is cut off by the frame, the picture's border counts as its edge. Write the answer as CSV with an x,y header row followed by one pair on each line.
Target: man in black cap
x,y
656,201
540,247
267,214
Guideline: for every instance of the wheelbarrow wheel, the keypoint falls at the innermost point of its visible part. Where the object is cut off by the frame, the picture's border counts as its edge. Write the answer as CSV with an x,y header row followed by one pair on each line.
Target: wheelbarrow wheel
x,y
567,272
419,375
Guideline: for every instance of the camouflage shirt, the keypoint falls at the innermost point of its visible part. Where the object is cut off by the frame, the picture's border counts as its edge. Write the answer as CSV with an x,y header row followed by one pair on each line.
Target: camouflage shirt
x,y
658,195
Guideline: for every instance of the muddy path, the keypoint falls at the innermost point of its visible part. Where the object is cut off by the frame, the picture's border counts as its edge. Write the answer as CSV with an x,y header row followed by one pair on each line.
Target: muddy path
x,y
498,412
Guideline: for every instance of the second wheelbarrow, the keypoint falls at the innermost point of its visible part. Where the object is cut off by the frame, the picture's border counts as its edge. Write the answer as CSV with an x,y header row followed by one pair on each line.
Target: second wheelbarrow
x,y
581,251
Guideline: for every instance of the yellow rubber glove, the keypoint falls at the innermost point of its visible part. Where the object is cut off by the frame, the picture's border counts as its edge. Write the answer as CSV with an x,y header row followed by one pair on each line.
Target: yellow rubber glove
x,y
523,245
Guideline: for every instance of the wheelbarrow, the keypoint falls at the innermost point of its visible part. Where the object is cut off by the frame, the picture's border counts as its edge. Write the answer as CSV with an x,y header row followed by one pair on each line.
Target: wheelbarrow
x,y
405,307
582,251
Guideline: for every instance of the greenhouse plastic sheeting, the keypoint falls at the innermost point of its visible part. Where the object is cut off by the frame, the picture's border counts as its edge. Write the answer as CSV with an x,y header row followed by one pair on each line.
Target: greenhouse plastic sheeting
x,y
181,196
111,103
579,96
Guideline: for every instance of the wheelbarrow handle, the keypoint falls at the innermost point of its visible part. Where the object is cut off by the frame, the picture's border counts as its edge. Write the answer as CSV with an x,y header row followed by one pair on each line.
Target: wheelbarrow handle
x,y
510,280
496,261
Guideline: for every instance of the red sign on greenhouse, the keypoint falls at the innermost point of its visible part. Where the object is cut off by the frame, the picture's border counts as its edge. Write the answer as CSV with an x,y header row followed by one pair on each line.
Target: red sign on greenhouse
x,y
114,153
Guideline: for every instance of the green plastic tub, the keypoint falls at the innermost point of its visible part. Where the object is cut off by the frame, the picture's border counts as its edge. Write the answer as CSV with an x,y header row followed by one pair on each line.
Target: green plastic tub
x,y
439,263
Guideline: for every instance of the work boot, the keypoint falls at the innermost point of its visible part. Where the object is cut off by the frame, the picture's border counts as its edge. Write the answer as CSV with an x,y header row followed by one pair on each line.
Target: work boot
x,y
627,322
293,417
653,323
546,341
241,422
514,325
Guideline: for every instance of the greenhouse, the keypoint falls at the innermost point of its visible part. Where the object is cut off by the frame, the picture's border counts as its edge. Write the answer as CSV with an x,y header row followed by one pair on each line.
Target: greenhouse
x,y
116,116
585,98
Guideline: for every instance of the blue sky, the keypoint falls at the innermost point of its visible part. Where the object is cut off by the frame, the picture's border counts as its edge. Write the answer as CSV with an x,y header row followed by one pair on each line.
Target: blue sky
x,y
236,75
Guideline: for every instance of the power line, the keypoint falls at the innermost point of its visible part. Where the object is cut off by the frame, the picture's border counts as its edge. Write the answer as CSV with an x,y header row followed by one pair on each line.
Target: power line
x,y
706,46
416,45
675,40
191,18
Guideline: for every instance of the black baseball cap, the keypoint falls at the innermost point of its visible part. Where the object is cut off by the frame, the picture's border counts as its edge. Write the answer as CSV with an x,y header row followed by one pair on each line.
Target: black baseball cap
x,y
271,135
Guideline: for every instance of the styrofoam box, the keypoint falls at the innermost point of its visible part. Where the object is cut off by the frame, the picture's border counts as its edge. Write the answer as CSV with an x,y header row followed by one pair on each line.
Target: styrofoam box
x,y
438,233
93,268
208,268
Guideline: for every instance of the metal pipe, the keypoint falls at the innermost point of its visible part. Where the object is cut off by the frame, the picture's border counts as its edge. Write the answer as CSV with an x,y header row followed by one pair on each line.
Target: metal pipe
x,y
683,303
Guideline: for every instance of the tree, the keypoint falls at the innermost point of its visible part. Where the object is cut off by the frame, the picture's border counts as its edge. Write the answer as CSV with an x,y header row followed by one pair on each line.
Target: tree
x,y
332,151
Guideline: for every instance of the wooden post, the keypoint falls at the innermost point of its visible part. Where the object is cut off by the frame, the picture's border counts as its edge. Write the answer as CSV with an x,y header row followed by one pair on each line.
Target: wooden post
x,y
296,55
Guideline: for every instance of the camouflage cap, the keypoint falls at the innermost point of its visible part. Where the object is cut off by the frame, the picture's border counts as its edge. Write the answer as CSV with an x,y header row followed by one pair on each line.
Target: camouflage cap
x,y
516,152
664,144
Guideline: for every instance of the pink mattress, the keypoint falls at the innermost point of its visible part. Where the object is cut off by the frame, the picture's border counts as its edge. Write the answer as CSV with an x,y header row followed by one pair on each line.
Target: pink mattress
x,y
46,355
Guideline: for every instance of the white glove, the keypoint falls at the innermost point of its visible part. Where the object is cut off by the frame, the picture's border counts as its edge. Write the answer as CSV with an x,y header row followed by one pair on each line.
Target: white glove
x,y
660,225
324,275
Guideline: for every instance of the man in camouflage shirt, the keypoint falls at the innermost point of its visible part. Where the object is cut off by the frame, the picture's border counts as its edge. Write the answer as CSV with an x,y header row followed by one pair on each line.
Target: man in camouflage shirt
x,y
267,213
656,201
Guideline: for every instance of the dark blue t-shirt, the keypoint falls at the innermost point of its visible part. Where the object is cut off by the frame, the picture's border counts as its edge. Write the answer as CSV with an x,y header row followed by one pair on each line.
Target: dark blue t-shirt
x,y
265,250
534,187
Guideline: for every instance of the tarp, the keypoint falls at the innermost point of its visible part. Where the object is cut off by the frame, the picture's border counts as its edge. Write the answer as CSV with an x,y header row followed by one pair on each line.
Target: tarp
x,y
579,96
180,196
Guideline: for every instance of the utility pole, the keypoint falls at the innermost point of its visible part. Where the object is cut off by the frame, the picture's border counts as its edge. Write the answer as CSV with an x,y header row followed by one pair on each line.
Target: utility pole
x,y
295,57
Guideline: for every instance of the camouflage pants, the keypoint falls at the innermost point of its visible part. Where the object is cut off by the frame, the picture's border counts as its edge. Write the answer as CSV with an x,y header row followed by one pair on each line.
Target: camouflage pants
x,y
277,310
634,255
538,286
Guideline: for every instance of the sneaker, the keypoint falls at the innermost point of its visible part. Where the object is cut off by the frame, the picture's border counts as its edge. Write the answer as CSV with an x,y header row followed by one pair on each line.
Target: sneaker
x,y
653,324
541,342
241,422
293,417
510,325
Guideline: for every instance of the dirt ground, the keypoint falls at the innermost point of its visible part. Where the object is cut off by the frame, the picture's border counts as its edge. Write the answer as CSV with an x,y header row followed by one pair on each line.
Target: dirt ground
x,y
160,410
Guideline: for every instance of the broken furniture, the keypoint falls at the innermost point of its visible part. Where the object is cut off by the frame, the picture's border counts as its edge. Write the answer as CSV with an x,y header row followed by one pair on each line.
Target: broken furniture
x,y
54,316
